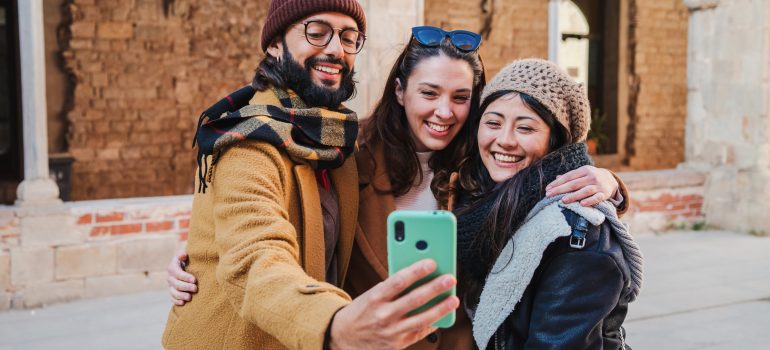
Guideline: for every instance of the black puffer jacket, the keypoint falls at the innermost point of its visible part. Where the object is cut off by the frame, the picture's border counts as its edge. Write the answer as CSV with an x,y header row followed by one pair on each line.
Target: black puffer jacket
x,y
577,298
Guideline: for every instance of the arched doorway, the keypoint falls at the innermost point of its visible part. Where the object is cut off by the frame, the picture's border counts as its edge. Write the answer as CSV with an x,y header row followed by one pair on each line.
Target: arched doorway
x,y
590,52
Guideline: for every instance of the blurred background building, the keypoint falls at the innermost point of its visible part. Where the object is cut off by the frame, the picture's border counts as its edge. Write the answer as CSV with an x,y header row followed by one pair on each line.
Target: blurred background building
x,y
99,99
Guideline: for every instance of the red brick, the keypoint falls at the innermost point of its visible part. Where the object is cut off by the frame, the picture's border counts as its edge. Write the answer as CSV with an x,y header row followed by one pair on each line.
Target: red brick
x,y
184,223
100,231
183,236
159,226
676,206
86,219
651,207
125,229
112,217
182,213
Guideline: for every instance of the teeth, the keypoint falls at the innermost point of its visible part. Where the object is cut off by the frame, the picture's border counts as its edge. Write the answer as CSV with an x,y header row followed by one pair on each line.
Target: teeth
x,y
506,158
439,128
326,69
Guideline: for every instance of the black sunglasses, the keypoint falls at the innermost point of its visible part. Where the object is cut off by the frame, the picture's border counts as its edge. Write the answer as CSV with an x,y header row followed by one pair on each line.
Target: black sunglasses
x,y
463,40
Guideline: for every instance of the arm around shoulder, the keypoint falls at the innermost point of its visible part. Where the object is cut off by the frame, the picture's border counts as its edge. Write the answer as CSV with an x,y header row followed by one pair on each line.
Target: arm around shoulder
x,y
625,197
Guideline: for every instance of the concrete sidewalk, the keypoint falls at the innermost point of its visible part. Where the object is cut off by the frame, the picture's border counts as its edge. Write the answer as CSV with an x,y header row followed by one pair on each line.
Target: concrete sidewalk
x,y
703,290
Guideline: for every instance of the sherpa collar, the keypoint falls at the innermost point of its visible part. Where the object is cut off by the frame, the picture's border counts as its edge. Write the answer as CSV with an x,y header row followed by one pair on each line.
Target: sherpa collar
x,y
514,268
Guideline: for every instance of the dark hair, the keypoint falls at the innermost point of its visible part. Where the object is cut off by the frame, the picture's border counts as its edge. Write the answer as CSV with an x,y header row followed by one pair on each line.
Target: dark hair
x,y
268,73
388,127
511,199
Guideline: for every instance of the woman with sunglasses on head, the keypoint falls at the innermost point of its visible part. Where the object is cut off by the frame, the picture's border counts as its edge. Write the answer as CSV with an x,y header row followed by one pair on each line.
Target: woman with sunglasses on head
x,y
539,273
409,146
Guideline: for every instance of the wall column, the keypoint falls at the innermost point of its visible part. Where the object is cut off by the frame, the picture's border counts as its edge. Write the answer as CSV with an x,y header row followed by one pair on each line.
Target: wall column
x,y
389,27
728,110
554,31
37,187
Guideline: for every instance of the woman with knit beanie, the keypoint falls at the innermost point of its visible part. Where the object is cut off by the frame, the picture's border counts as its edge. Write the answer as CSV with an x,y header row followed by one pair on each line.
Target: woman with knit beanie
x,y
539,273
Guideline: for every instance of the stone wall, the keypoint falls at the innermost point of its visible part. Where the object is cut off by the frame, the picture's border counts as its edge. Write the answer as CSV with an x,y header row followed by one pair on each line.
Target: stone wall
x,y
100,248
658,84
143,77
515,28
88,249
664,199
728,125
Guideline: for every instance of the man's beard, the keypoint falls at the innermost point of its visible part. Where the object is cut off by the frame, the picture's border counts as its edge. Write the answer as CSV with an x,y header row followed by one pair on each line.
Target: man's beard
x,y
299,79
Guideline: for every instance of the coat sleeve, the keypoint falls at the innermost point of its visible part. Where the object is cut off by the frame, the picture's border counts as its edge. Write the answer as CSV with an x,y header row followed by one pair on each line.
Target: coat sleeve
x,y
258,249
623,190
576,293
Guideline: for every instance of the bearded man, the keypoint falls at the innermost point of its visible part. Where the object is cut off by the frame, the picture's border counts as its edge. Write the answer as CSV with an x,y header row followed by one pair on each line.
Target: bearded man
x,y
274,216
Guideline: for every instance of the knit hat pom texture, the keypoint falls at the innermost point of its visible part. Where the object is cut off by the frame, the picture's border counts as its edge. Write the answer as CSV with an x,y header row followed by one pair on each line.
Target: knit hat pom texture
x,y
551,86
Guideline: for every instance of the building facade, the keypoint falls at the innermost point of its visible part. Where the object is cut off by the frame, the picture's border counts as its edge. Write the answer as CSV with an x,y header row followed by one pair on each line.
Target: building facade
x,y
103,97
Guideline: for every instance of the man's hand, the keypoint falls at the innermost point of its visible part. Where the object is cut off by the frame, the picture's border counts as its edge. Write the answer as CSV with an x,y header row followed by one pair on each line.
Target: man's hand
x,y
591,185
378,318
181,284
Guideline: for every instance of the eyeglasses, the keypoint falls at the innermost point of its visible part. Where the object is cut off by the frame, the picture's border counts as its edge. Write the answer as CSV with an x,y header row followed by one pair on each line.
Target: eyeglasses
x,y
320,34
463,40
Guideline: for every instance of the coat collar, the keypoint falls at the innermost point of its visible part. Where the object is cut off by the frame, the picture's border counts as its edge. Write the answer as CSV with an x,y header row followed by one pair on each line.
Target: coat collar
x,y
375,205
343,180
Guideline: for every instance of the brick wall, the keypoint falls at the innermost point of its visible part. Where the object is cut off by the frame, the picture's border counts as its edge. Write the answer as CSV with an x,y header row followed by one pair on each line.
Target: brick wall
x,y
108,247
143,78
518,28
664,199
656,134
119,246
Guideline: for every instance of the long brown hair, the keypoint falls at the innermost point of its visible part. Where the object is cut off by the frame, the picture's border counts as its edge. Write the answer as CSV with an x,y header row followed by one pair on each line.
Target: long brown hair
x,y
388,127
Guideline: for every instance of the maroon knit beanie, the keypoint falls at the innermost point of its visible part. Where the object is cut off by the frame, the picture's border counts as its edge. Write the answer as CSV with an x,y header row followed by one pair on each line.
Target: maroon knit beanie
x,y
283,13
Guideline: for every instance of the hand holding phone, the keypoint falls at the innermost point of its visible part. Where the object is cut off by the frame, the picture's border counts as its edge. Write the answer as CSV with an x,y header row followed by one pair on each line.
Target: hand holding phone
x,y
418,235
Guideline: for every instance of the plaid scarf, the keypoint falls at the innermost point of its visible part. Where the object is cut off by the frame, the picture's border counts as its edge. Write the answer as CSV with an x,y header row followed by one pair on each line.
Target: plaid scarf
x,y
322,138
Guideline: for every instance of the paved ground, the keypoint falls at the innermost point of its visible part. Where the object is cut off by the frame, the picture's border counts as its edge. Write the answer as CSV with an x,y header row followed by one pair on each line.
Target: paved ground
x,y
703,290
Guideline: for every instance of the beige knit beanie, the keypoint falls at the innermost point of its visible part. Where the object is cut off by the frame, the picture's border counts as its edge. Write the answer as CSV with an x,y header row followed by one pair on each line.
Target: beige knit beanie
x,y
551,86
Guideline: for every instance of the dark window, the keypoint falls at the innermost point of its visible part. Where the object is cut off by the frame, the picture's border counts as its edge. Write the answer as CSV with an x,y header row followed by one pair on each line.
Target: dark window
x,y
601,76
10,107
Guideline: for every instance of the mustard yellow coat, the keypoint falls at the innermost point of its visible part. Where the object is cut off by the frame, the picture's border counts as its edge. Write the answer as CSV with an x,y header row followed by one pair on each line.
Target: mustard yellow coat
x,y
256,246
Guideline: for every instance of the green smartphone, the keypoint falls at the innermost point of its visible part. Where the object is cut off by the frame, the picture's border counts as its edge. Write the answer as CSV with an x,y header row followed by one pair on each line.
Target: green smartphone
x,y
417,235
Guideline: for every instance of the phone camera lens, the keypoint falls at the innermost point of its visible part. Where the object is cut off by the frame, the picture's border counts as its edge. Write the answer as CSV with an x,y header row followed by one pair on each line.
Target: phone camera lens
x,y
399,231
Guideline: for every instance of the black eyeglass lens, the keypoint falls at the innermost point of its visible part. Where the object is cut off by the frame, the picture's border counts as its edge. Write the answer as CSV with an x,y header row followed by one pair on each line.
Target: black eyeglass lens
x,y
430,37
318,33
464,41
350,39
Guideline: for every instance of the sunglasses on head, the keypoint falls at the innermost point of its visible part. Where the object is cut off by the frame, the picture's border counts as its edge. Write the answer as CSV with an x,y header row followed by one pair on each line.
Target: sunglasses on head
x,y
463,40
